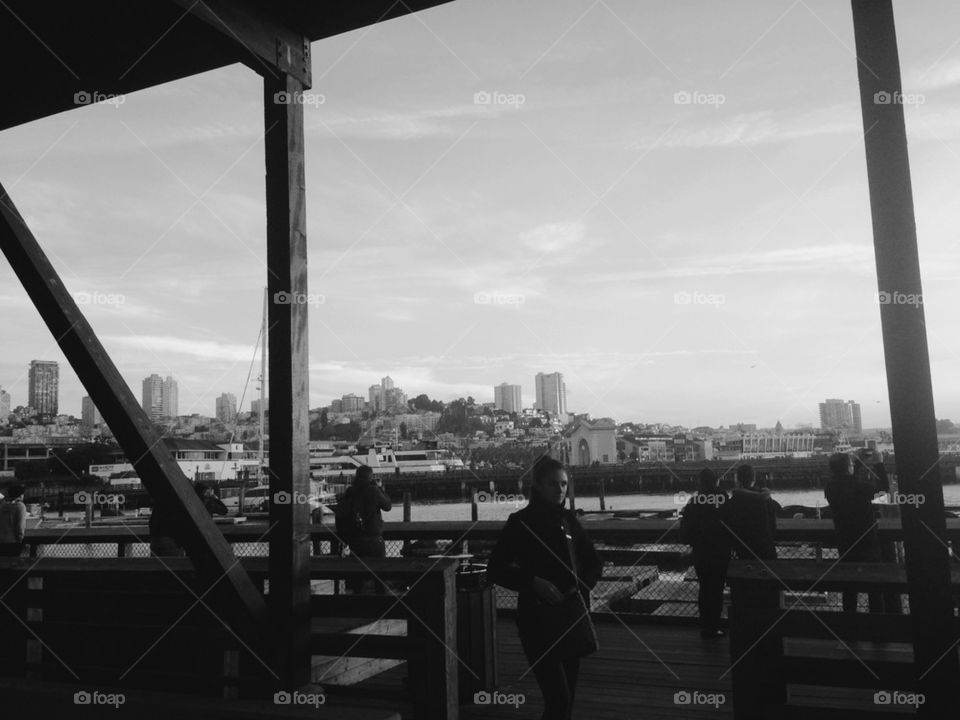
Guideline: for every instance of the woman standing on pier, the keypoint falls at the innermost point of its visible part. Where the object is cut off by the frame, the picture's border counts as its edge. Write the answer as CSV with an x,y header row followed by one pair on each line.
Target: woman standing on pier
x,y
544,554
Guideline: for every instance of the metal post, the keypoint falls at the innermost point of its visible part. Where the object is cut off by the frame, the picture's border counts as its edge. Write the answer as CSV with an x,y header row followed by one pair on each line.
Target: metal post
x,y
907,361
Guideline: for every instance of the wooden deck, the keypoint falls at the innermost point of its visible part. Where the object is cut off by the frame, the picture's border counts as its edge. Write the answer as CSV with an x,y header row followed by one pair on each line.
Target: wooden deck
x,y
636,673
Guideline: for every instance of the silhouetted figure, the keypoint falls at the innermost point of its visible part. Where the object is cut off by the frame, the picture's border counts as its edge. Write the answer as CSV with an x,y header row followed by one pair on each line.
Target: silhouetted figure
x,y
13,521
850,499
210,501
700,527
750,518
359,521
544,554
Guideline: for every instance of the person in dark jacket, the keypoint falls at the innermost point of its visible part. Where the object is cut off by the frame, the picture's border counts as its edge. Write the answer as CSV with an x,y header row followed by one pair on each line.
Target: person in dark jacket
x,y
749,516
533,557
362,504
700,527
13,521
854,521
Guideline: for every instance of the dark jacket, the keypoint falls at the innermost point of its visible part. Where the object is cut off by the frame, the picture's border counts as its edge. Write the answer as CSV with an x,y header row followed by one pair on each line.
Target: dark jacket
x,y
702,529
853,518
533,543
366,499
751,521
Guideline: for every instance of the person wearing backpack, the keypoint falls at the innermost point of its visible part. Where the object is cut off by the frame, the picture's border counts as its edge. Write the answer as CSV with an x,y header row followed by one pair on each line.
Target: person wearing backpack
x,y
359,522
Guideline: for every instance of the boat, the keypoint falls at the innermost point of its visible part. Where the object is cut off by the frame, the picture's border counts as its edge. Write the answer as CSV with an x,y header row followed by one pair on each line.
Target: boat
x,y
384,461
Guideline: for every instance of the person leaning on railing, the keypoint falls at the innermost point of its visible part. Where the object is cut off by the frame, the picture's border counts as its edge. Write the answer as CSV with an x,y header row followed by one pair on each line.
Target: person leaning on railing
x,y
545,555
13,521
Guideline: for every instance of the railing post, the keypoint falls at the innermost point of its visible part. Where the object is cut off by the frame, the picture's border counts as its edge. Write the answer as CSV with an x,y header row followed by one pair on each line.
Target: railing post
x,y
406,506
603,497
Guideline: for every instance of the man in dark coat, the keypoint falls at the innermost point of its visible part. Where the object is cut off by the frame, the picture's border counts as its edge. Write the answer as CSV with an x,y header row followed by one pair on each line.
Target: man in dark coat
x,y
544,554
850,499
359,520
700,527
749,516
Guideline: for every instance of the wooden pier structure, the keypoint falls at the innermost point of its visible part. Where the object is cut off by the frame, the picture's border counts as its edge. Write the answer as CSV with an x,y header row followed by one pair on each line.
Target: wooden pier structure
x,y
256,632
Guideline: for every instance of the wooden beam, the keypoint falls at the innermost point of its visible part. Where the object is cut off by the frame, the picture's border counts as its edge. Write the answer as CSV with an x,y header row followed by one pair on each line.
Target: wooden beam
x,y
233,596
288,376
907,360
264,43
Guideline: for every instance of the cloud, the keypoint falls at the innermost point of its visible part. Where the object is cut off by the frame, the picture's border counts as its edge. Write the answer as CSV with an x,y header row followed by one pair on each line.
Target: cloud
x,y
169,344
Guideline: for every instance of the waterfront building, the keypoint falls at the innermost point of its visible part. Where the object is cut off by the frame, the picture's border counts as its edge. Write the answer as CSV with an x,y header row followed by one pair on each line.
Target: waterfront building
x,y
507,398
836,414
44,384
226,407
588,442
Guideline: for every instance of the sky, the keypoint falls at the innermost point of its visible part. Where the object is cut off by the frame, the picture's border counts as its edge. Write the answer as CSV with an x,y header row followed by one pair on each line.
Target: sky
x,y
664,201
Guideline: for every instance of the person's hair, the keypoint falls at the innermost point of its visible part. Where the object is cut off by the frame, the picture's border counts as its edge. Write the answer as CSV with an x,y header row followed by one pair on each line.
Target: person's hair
x,y
708,480
545,466
839,463
364,473
14,490
745,476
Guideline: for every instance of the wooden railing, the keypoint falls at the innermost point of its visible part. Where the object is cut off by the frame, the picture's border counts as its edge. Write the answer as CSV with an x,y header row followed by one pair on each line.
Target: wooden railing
x,y
852,660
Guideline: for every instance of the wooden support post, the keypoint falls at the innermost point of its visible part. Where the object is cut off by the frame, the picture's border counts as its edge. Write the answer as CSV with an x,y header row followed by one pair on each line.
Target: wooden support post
x,y
570,492
907,360
233,595
474,507
406,506
288,376
603,497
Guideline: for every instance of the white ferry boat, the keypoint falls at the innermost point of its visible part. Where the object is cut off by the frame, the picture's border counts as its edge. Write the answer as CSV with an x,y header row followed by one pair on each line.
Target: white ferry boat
x,y
384,461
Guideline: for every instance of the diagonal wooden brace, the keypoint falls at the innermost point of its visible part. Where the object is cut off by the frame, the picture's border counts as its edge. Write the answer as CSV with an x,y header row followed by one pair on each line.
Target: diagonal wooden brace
x,y
233,596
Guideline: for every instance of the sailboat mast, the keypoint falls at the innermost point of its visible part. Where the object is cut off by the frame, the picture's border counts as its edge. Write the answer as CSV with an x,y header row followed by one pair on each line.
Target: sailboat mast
x,y
263,385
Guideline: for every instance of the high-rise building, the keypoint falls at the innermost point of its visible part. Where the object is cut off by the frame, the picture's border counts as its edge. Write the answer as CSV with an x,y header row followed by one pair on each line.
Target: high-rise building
x,y
255,406
170,400
507,397
227,407
153,396
89,415
836,414
375,393
352,403
551,393
4,405
44,380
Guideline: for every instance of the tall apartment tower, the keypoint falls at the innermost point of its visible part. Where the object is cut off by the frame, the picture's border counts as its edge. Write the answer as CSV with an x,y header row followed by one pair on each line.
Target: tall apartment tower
x,y
170,404
4,404
89,415
507,397
44,381
227,407
836,414
551,393
153,396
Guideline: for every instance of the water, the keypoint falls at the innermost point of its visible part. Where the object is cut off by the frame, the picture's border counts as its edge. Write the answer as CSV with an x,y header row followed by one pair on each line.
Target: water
x,y
500,506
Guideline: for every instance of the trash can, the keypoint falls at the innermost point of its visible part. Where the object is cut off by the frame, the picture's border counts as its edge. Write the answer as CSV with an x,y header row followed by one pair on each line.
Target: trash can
x,y
476,631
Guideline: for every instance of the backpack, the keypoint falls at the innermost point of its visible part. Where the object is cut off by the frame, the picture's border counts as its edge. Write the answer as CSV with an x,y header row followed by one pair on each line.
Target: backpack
x,y
348,517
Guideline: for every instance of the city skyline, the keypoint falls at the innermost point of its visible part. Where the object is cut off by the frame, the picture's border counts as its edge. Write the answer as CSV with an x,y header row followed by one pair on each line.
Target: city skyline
x,y
683,240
